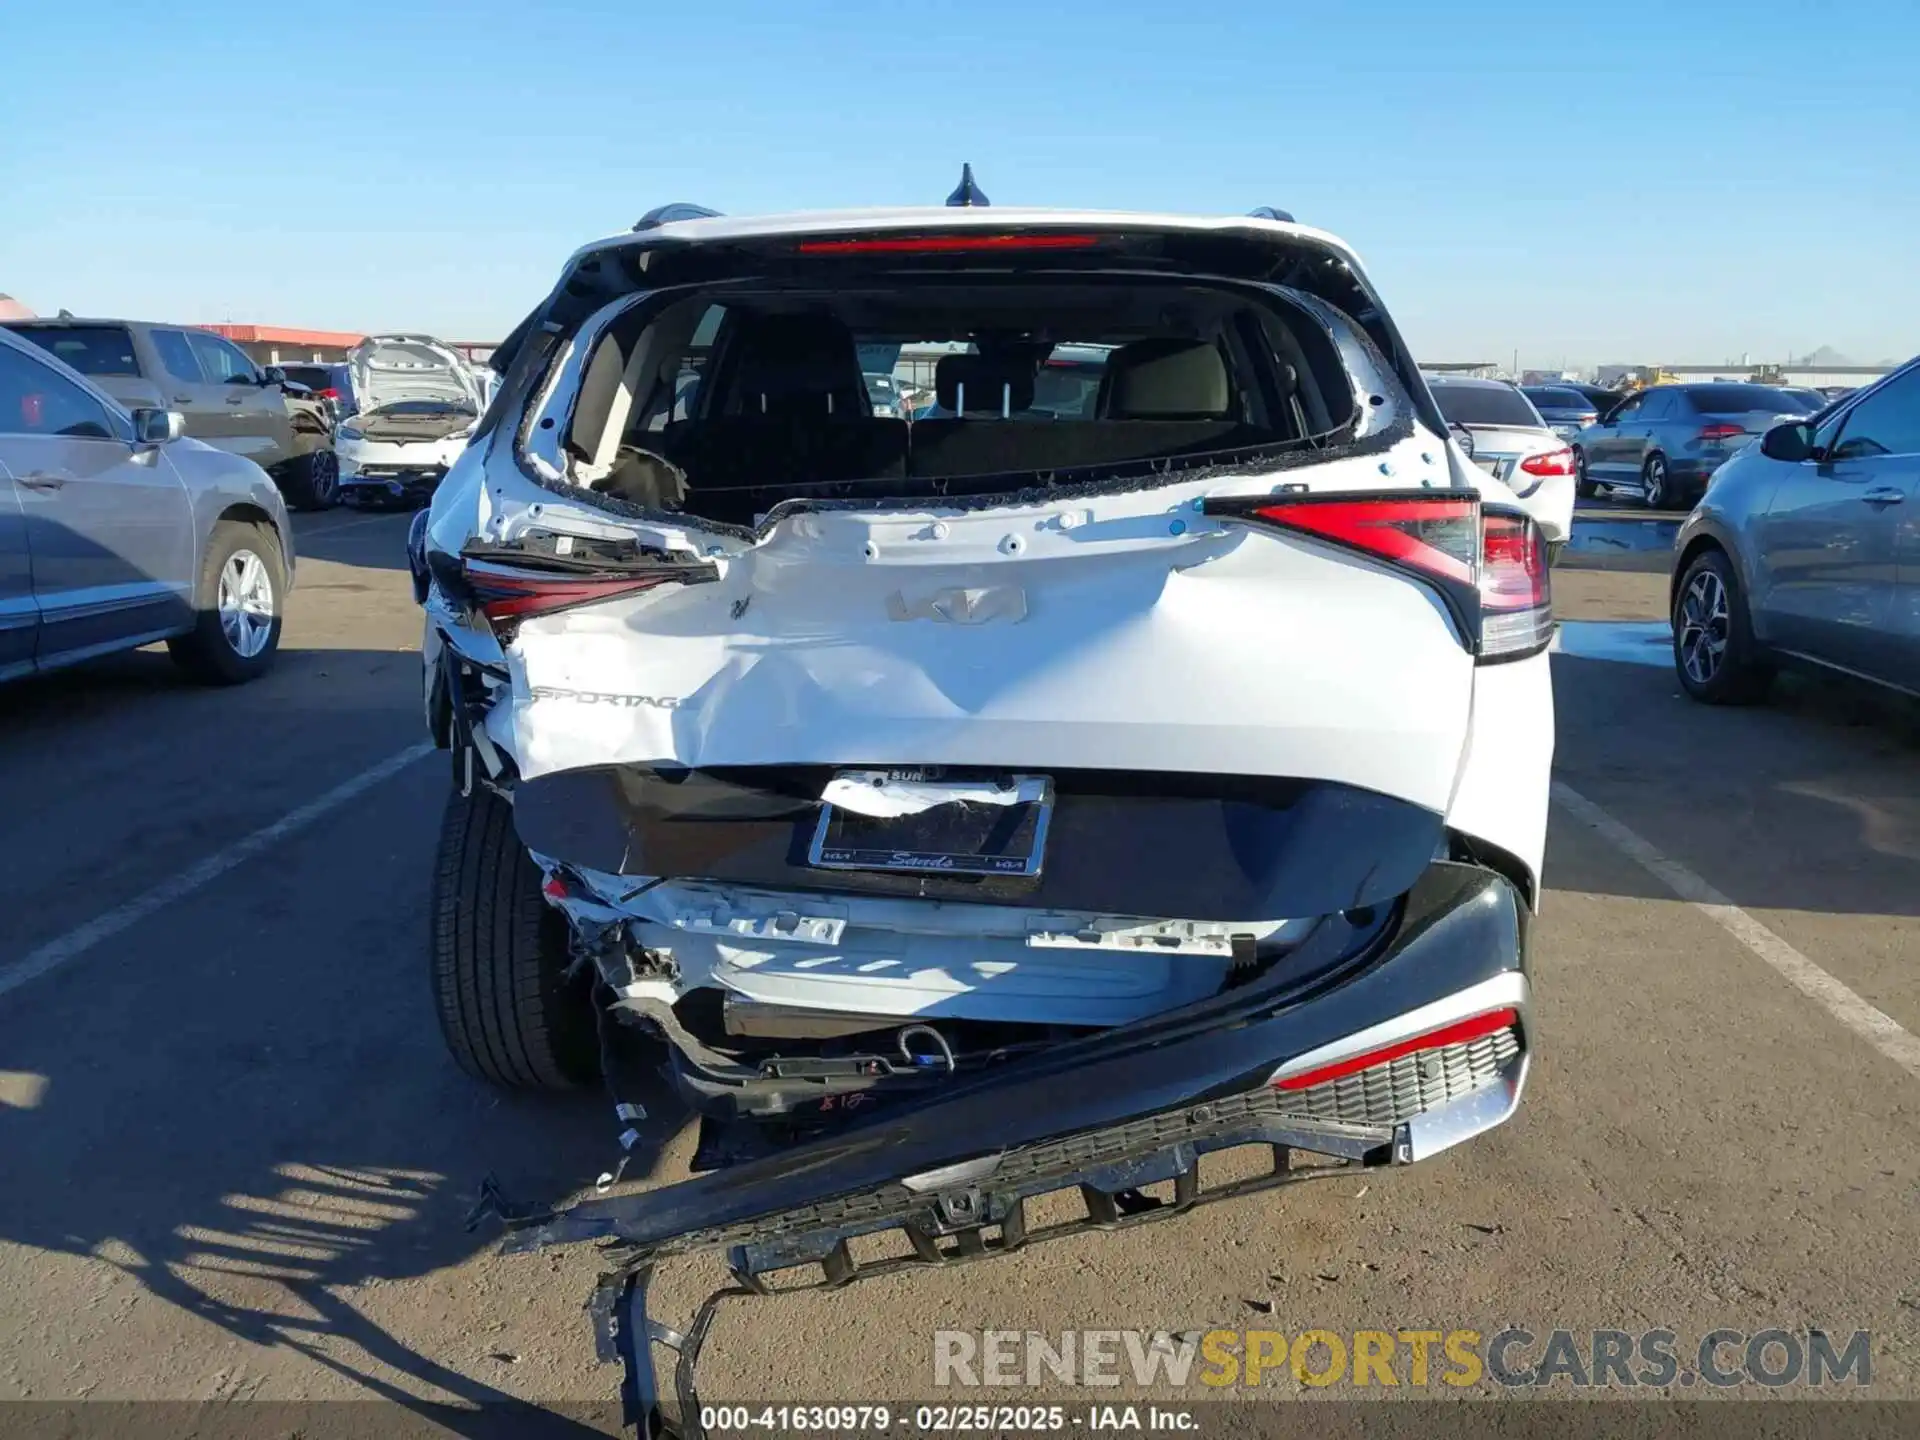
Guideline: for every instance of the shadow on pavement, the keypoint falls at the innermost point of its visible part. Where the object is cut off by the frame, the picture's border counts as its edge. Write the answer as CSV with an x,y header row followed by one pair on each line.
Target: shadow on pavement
x,y
242,1104
369,541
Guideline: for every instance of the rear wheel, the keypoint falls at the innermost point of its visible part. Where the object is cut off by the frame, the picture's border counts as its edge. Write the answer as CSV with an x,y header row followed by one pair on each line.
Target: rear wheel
x,y
236,631
509,1010
1714,652
1656,488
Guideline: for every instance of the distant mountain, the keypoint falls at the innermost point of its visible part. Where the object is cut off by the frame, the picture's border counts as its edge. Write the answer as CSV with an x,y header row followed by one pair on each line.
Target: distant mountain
x,y
1826,357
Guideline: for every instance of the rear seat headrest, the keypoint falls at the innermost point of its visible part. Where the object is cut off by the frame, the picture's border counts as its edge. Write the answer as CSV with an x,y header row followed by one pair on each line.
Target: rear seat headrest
x,y
993,384
1167,379
804,363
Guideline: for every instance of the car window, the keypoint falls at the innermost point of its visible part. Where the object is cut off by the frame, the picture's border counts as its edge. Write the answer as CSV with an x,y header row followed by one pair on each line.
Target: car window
x,y
1629,408
1485,405
177,355
1659,405
35,399
1887,422
90,349
1738,399
220,362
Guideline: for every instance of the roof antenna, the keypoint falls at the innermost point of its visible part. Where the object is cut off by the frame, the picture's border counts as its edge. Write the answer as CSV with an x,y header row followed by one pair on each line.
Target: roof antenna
x,y
967,193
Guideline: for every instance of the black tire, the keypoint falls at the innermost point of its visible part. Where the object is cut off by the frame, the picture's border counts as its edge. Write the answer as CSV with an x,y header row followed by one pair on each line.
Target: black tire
x,y
312,481
211,652
1656,485
508,1010
1583,486
1738,674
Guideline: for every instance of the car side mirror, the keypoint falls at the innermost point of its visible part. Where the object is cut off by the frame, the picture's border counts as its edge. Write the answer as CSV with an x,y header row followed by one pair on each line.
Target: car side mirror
x,y
273,375
157,427
1792,442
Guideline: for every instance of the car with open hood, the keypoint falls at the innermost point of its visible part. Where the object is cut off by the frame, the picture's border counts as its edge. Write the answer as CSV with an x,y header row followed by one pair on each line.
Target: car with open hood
x,y
418,402
984,805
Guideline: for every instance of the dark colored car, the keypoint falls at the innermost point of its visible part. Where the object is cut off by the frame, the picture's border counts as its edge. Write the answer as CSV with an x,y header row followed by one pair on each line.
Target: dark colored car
x,y
1566,410
1665,443
1805,553
1599,396
327,382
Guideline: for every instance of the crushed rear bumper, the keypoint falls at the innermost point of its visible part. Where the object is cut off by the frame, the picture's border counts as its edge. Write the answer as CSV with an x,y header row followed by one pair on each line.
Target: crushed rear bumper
x,y
1360,1067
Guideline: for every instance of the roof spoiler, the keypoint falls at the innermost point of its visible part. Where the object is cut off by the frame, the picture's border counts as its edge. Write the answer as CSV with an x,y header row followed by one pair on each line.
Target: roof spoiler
x,y
678,210
1267,212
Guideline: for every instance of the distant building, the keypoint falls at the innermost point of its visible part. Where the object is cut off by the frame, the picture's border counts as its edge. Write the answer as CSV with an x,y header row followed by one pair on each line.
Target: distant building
x,y
1809,377
279,344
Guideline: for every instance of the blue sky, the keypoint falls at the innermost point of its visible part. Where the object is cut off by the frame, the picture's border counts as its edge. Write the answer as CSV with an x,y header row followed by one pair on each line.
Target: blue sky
x,y
1576,181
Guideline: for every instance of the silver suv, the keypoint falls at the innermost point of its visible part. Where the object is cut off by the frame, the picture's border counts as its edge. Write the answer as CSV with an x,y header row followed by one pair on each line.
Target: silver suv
x,y
117,531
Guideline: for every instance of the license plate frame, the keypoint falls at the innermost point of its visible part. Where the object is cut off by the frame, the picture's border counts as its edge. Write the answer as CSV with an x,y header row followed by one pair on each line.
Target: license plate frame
x,y
846,840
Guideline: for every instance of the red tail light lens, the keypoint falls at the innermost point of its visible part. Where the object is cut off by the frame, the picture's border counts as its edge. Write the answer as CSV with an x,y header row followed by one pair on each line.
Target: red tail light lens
x,y
1553,462
1490,567
1516,594
507,598
1459,1033
946,244
329,393
1434,535
1720,432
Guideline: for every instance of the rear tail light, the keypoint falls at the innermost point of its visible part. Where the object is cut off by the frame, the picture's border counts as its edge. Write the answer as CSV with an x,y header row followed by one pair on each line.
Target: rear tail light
x,y
328,394
1489,566
1553,462
1535,468
505,596
1718,432
1516,594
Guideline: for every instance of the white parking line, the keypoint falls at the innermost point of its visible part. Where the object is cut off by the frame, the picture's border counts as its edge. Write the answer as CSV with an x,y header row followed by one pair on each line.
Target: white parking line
x,y
1871,1024
76,942
349,525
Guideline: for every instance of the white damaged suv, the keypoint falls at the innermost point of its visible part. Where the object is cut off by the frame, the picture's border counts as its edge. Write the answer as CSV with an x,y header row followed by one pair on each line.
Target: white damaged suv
x,y
1009,800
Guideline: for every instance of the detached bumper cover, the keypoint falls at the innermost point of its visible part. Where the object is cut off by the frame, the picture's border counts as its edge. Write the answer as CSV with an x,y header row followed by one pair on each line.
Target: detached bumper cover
x,y
1198,1078
1133,1108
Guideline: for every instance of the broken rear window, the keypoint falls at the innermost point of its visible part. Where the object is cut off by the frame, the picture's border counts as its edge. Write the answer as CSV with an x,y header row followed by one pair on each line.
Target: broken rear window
x,y
725,410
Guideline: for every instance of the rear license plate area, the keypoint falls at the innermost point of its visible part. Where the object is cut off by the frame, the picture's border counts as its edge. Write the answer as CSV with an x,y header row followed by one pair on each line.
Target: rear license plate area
x,y
958,837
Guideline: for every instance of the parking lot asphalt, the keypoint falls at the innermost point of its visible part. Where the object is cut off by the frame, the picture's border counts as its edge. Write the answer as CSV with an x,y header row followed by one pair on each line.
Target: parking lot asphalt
x,y
238,1159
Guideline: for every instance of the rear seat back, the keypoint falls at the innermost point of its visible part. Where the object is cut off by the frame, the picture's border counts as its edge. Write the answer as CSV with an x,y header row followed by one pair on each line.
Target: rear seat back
x,y
943,449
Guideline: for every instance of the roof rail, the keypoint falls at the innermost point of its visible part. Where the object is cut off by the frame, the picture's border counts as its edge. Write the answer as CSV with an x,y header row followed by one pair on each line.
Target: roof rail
x,y
1267,212
678,210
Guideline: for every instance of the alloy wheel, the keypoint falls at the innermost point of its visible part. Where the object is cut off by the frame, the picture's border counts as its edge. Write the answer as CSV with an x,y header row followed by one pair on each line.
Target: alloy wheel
x,y
1704,627
245,603
323,477
1656,482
